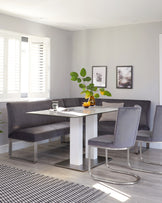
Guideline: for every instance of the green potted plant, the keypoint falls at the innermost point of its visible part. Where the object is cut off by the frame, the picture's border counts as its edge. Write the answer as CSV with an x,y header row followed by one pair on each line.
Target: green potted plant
x,y
85,83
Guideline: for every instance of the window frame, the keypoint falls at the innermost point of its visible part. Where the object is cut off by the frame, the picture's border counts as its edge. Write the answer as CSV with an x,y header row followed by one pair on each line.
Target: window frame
x,y
5,96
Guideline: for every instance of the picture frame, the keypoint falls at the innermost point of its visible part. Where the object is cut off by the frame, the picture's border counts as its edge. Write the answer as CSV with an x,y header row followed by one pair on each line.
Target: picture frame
x,y
99,76
124,77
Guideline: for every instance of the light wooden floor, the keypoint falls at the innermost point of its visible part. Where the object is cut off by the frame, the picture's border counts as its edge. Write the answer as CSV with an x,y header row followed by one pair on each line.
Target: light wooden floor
x,y
149,189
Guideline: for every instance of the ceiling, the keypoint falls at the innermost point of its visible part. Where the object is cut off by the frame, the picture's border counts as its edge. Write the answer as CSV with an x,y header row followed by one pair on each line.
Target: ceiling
x,y
84,14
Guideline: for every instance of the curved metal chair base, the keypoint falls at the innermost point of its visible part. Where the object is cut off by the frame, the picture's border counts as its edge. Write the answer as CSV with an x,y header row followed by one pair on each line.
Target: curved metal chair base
x,y
99,178
143,170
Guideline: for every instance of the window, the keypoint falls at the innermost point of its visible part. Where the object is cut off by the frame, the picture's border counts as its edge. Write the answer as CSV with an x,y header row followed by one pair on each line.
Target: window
x,y
24,66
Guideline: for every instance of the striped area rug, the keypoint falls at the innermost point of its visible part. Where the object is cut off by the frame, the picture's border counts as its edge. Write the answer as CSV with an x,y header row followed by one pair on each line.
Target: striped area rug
x,y
20,186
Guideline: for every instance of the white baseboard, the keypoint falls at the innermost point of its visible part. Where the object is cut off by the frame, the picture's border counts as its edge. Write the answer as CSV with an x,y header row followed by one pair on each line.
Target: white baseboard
x,y
156,145
18,145
153,145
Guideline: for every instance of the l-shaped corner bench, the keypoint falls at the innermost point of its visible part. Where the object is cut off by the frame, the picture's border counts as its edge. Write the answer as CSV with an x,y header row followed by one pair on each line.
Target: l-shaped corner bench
x,y
34,128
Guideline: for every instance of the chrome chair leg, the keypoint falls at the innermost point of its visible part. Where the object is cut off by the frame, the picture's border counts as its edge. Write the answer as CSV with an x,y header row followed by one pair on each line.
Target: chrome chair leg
x,y
89,160
141,158
106,158
147,162
102,179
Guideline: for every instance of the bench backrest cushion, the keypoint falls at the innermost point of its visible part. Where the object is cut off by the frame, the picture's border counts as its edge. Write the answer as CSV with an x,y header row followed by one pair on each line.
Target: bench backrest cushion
x,y
145,105
18,118
72,102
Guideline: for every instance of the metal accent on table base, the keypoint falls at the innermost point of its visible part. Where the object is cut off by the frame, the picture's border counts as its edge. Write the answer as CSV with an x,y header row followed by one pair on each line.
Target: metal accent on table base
x,y
84,166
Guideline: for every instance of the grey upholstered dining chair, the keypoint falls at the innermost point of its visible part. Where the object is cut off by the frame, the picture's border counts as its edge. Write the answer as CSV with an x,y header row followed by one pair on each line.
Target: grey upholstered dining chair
x,y
154,136
124,138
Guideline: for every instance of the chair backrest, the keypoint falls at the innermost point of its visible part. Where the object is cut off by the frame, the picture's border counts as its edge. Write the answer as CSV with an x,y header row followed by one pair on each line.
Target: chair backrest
x,y
157,126
127,126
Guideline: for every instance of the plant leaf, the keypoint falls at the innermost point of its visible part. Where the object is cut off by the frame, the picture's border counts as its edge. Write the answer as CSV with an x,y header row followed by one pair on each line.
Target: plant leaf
x,y
87,94
83,72
83,92
82,86
79,80
73,78
74,74
91,93
102,89
90,86
107,93
94,89
87,79
96,95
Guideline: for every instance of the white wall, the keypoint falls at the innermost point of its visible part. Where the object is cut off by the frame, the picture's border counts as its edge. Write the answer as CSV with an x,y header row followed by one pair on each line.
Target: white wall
x,y
136,45
60,57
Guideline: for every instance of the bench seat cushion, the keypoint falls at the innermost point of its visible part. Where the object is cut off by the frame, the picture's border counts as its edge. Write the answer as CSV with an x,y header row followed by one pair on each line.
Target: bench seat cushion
x,y
42,132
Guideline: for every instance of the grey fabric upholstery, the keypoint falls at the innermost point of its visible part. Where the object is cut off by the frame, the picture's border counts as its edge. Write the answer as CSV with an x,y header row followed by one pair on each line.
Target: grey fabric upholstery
x,y
125,130
144,119
18,118
34,128
39,133
71,102
106,127
156,134
24,126
102,141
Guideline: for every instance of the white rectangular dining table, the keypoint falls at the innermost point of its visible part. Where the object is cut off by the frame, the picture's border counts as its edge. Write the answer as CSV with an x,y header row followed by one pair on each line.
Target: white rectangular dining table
x,y
76,114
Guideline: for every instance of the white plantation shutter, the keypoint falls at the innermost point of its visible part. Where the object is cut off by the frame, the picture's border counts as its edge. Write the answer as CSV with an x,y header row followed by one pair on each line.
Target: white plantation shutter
x,y
39,68
13,68
24,66
9,66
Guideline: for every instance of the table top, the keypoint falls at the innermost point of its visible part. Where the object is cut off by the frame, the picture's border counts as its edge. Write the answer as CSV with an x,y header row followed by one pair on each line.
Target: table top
x,y
74,112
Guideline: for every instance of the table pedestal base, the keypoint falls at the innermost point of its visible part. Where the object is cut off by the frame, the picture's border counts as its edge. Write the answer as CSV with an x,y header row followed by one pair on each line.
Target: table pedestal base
x,y
84,167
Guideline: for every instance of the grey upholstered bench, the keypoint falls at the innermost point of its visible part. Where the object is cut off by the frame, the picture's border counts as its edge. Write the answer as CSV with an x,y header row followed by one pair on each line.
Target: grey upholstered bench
x,y
33,128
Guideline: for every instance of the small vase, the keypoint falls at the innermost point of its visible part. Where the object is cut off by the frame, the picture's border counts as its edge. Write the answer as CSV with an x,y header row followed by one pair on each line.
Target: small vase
x,y
92,100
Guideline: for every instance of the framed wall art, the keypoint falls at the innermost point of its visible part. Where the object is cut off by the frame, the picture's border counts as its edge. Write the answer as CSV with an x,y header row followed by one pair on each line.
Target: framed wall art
x,y
99,76
124,77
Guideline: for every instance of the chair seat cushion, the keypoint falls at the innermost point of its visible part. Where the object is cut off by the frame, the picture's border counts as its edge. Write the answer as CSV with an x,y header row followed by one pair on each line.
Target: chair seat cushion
x,y
42,132
148,139
101,141
144,133
144,139
105,141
